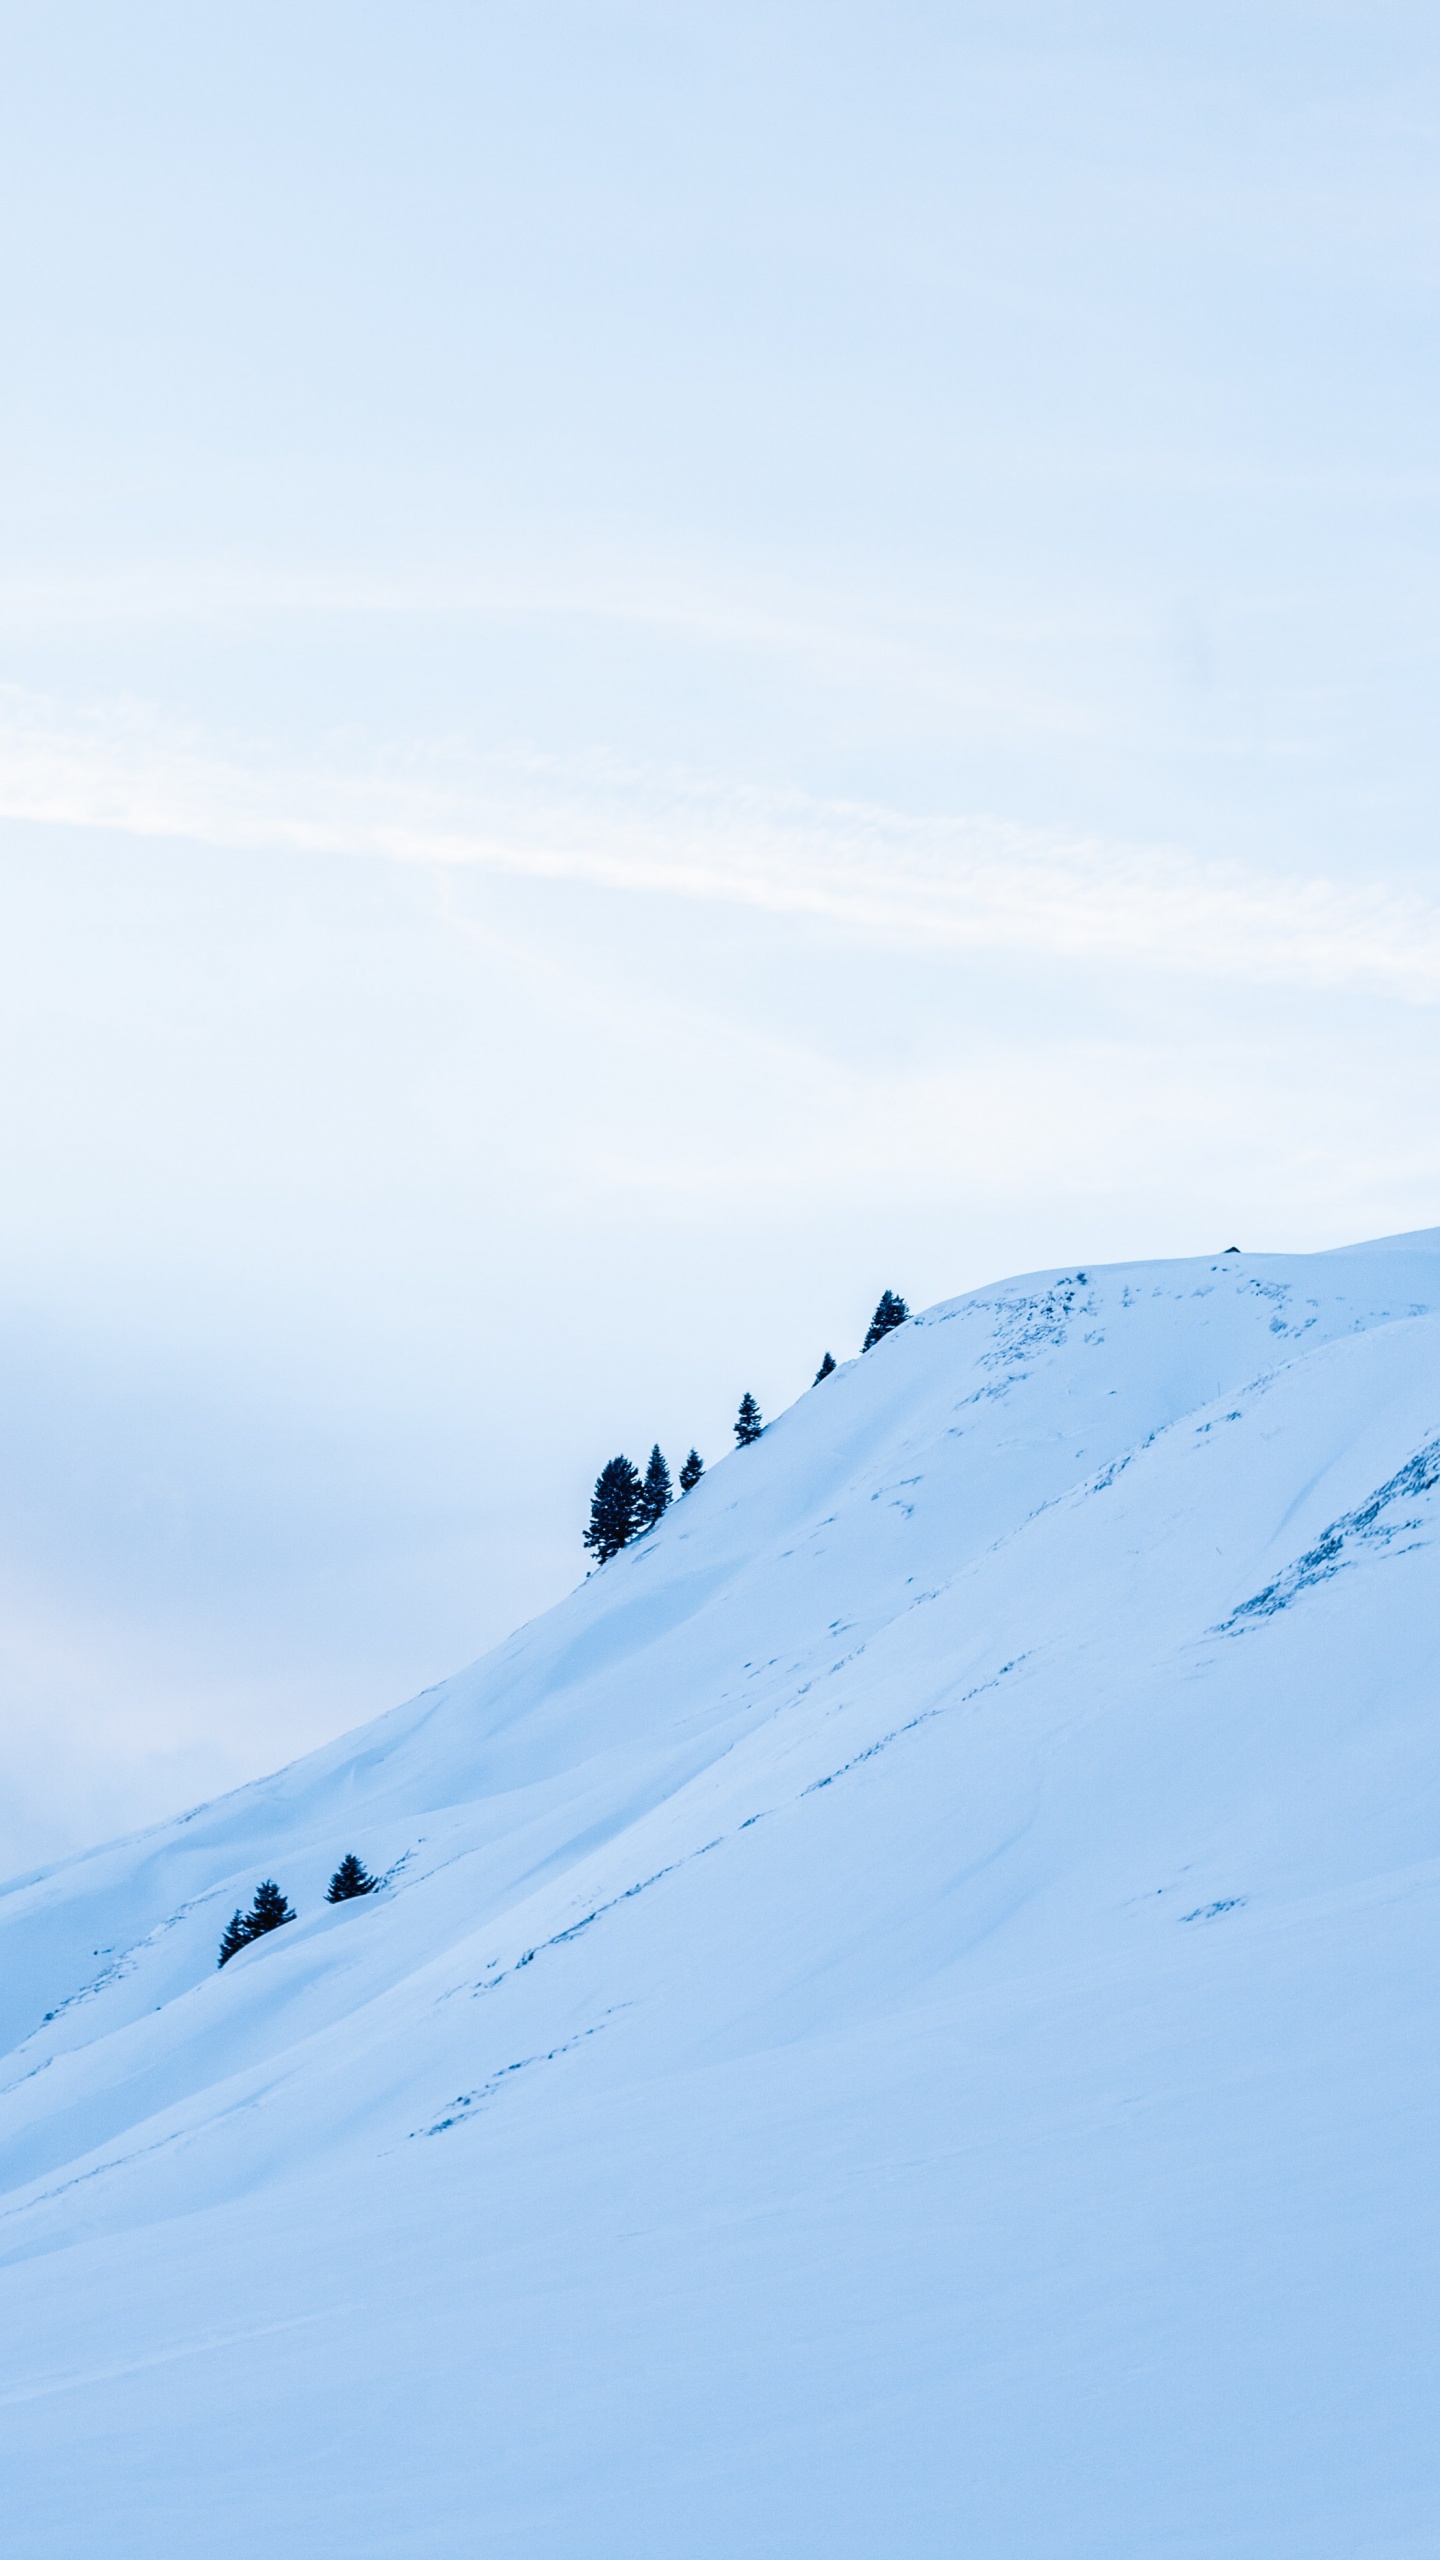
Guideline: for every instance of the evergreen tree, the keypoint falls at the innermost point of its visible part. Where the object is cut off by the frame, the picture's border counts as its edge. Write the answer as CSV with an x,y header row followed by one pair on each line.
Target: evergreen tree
x,y
890,1312
238,1935
614,1510
350,1879
655,1494
269,1910
748,1425
691,1472
824,1371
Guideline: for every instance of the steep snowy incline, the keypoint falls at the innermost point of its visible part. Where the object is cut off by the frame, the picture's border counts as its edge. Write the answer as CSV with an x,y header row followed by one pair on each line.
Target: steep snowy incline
x,y
977,1415
901,2016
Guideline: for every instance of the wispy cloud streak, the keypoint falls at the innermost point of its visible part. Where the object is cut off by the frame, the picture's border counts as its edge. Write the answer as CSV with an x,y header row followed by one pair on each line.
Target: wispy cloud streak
x,y
973,883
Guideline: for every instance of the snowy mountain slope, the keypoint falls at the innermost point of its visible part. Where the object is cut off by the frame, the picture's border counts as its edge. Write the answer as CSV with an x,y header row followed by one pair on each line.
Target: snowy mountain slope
x,y
901,2019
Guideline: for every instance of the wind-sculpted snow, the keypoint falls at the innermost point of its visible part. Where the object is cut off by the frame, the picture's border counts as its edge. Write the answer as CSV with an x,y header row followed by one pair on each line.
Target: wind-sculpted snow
x,y
887,2029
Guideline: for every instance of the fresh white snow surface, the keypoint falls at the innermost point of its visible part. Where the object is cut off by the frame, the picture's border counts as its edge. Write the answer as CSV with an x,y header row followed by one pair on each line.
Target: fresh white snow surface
x,y
900,2022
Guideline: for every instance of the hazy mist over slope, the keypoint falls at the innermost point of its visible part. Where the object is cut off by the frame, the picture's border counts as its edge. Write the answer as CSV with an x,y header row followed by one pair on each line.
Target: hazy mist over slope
x,y
659,667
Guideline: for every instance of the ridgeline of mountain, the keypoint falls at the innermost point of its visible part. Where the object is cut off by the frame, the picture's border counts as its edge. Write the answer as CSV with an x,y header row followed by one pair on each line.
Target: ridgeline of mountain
x,y
896,2022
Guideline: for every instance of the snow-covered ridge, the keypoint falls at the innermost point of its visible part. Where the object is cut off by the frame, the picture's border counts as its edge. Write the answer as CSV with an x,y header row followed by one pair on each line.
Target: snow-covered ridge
x,y
1035,1729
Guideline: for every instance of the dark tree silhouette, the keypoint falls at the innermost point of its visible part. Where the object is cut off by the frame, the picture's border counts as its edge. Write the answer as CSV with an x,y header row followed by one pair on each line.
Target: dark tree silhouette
x,y
890,1312
350,1880
237,1935
825,1370
614,1510
691,1472
748,1425
269,1910
655,1494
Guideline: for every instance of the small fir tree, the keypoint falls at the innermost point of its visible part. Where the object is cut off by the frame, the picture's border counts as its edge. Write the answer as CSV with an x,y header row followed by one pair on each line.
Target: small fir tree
x,y
825,1370
238,1935
614,1510
269,1910
691,1472
655,1494
748,1425
890,1312
350,1880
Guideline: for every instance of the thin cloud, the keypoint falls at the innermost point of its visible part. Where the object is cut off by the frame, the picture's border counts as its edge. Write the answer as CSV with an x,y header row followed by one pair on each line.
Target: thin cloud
x,y
974,883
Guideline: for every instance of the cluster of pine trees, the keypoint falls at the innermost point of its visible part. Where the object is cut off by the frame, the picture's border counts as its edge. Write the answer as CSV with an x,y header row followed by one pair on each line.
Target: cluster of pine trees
x,y
270,1909
625,1504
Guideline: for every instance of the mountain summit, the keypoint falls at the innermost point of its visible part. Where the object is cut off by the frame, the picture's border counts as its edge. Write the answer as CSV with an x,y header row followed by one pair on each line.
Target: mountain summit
x,y
898,2021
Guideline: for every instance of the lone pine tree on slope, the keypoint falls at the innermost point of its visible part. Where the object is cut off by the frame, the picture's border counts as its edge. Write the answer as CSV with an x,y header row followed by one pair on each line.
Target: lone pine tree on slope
x,y
351,1878
614,1510
825,1370
655,1496
748,1425
269,1910
691,1472
890,1312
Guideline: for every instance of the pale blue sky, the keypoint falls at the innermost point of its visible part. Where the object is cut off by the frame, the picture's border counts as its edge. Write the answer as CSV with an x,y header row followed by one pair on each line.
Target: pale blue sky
x,y
658,667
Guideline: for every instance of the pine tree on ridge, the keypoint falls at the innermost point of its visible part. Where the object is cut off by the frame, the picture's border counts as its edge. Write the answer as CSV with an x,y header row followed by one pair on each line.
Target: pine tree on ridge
x,y
691,1472
825,1370
655,1494
269,1910
891,1311
748,1425
351,1878
614,1510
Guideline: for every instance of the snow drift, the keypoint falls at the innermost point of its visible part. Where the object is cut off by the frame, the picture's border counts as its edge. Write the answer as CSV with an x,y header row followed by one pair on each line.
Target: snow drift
x,y
900,2018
